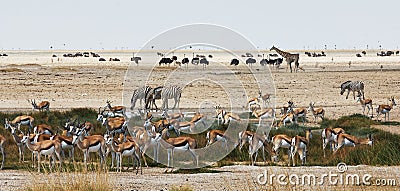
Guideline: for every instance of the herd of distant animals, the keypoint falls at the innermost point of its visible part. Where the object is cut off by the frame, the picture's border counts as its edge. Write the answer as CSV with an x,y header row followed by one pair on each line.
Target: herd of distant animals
x,y
122,140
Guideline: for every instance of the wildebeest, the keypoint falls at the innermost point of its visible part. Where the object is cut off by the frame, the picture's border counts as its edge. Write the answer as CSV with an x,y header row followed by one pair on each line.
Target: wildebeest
x,y
249,54
114,59
102,59
165,61
251,61
358,55
235,62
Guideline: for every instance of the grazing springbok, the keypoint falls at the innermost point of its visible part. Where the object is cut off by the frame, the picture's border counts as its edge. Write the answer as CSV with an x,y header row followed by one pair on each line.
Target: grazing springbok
x,y
2,149
50,148
330,135
89,144
117,110
178,144
115,125
299,145
280,141
365,103
224,116
344,139
128,148
354,86
317,112
256,142
253,102
385,109
288,117
263,114
158,126
244,137
43,129
44,105
20,120
217,135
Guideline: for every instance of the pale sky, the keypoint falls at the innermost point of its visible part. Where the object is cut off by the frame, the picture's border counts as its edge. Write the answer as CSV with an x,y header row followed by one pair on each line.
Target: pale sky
x,y
111,24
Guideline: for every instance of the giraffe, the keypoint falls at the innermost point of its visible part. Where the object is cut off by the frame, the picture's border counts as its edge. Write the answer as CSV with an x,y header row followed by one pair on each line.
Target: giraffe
x,y
289,58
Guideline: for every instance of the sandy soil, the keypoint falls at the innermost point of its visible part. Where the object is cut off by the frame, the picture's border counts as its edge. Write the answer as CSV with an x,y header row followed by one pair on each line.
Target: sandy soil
x,y
85,82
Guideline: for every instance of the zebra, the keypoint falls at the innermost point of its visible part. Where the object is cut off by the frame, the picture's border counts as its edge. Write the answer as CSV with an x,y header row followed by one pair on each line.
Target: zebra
x,y
170,92
139,93
353,86
151,97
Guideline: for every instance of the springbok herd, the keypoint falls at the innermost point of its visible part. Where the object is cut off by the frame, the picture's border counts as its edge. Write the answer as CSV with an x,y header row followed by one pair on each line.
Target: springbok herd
x,y
122,139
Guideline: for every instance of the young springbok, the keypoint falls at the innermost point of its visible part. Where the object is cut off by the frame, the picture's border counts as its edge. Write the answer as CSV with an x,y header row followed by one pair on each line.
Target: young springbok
x,y
385,109
44,105
280,141
146,139
50,148
344,139
365,103
2,149
317,112
299,145
330,135
266,98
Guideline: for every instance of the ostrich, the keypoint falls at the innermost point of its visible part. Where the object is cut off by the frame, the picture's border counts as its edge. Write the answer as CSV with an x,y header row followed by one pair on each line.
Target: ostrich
x,y
136,59
185,61
251,61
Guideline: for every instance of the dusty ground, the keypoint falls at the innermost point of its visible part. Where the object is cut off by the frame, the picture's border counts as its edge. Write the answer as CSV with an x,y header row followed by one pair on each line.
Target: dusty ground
x,y
85,82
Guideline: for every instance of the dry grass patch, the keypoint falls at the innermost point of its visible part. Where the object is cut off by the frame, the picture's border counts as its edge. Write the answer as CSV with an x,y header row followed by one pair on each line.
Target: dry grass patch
x,y
11,70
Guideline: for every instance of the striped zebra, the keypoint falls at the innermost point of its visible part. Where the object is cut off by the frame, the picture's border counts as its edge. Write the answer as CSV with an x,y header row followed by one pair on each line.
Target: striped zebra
x,y
170,92
354,86
140,94
151,97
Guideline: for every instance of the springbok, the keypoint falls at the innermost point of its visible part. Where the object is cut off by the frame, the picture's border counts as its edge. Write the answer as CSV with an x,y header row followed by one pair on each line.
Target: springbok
x,y
365,103
89,144
216,135
266,98
299,145
244,137
175,116
264,114
281,141
115,125
224,116
44,105
128,148
385,109
330,135
256,142
344,139
20,120
146,139
17,140
66,144
298,112
285,109
43,129
116,110
288,117
317,112
2,149
50,148
178,143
